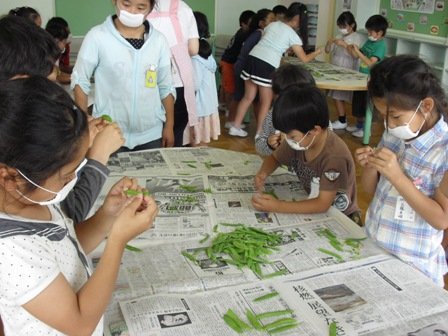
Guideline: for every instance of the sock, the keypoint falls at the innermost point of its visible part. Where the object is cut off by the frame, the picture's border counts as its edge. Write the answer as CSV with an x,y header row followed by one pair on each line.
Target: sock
x,y
342,119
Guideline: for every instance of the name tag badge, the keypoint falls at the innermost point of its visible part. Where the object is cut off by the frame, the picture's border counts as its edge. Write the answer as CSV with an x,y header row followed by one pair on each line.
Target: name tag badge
x,y
151,77
403,211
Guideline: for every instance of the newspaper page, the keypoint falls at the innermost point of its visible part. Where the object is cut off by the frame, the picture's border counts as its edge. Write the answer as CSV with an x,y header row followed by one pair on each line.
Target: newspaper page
x,y
203,314
371,297
149,162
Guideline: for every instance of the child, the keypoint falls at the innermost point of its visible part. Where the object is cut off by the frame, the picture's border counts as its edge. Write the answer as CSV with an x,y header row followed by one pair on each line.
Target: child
x,y
44,141
132,68
257,25
408,212
285,76
228,60
60,24
205,86
340,56
322,161
372,52
279,12
175,20
28,50
263,60
60,33
28,13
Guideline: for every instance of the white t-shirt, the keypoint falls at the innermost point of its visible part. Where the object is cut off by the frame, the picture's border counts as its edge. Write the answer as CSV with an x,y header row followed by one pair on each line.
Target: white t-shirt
x,y
187,24
277,38
29,262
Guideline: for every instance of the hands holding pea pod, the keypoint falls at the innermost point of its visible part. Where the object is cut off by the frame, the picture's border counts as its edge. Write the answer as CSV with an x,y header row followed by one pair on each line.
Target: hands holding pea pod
x,y
381,159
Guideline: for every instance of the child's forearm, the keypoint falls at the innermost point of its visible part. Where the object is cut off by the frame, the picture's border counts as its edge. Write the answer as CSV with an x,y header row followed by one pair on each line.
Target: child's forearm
x,y
309,206
168,104
81,98
369,180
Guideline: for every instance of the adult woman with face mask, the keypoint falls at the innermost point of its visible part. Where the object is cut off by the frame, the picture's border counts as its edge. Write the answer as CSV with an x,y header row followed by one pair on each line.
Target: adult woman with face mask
x,y
132,67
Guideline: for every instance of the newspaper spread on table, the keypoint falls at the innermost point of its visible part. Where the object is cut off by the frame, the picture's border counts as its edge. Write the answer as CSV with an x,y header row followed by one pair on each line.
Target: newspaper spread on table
x,y
202,192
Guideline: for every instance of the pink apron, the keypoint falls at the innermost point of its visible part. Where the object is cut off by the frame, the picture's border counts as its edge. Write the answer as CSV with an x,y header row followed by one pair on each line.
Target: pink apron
x,y
182,59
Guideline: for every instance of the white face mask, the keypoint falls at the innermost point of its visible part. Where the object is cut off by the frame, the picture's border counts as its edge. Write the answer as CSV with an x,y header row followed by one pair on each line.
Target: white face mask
x,y
296,145
405,132
60,195
130,20
373,39
343,31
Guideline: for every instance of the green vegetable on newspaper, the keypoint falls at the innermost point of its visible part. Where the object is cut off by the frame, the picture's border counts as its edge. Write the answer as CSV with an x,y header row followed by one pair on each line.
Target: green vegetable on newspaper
x,y
132,192
132,248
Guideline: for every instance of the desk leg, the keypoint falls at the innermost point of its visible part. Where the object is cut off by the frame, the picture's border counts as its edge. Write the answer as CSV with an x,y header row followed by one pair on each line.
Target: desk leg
x,y
367,125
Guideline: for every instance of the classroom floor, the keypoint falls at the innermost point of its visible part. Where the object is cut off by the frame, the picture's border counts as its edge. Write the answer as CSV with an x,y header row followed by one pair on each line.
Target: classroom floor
x,y
246,145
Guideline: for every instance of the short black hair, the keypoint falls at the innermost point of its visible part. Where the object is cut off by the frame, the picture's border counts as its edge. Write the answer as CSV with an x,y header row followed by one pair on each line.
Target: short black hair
x,y
205,50
246,16
259,16
58,28
290,74
279,9
40,125
25,49
28,13
301,109
377,23
346,18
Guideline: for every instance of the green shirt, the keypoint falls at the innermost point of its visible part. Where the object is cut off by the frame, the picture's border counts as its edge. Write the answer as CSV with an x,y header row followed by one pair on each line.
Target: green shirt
x,y
372,49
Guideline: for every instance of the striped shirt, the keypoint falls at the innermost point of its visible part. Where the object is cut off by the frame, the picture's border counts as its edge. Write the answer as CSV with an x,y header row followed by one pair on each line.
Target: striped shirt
x,y
424,160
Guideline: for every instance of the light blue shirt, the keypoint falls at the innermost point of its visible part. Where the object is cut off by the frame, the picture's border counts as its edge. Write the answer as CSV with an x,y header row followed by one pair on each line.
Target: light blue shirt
x,y
277,38
205,85
124,86
425,161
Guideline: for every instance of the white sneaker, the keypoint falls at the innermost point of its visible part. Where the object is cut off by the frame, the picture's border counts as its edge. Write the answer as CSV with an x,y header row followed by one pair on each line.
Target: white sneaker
x,y
359,133
337,125
229,124
237,132
351,129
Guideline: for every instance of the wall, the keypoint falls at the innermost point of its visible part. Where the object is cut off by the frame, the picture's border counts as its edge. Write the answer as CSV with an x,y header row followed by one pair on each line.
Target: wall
x,y
421,23
207,7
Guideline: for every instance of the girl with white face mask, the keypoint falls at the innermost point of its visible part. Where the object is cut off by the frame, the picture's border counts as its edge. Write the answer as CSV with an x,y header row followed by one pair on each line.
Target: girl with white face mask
x,y
340,56
132,67
321,160
407,171
44,141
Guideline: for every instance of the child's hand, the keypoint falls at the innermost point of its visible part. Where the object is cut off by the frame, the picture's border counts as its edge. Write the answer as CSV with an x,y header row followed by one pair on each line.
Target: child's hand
x,y
264,202
108,140
137,216
362,155
385,162
339,42
259,181
116,199
274,140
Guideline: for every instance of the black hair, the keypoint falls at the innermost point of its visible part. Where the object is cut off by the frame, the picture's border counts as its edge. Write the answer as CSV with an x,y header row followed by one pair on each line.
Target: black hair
x,y
25,49
404,81
279,9
58,28
300,108
377,23
28,13
246,16
290,74
298,8
261,15
205,50
41,127
346,18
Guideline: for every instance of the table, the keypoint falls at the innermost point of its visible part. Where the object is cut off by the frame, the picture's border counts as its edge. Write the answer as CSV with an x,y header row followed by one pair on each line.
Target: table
x,y
332,77
200,191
